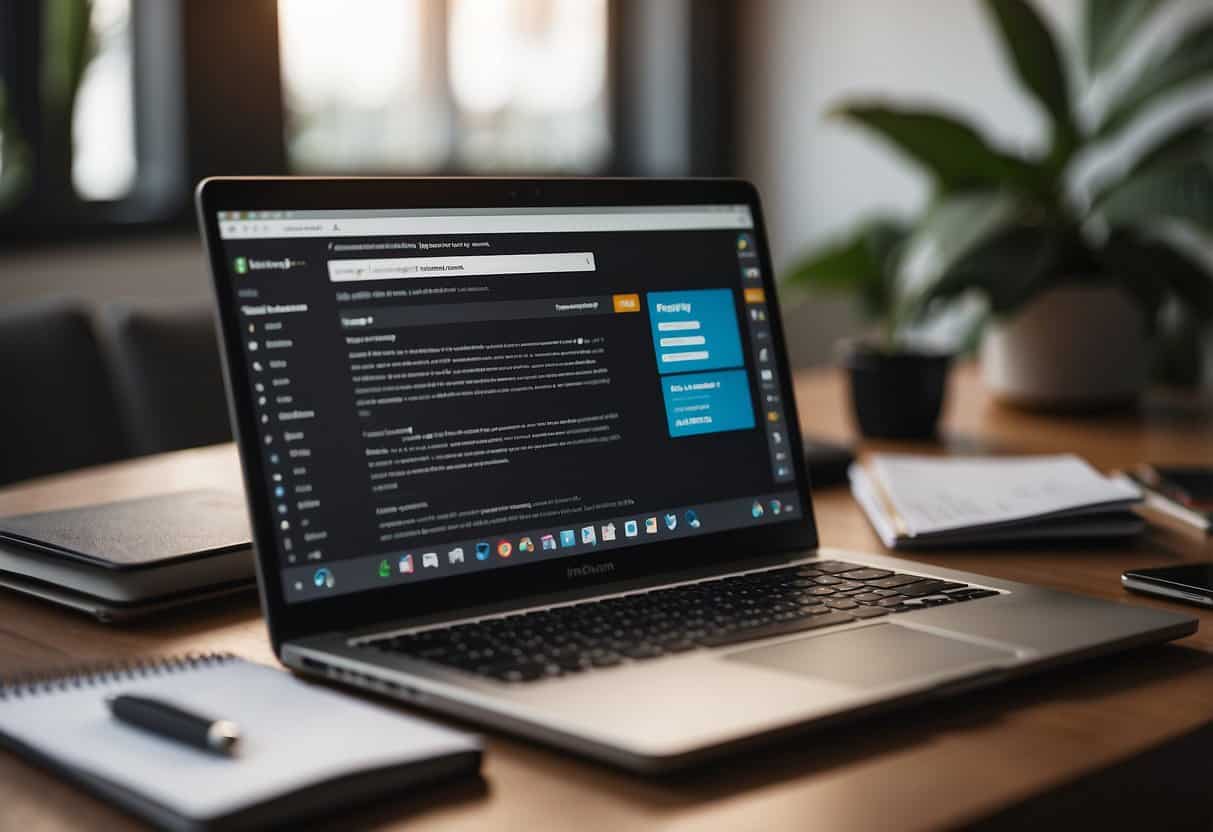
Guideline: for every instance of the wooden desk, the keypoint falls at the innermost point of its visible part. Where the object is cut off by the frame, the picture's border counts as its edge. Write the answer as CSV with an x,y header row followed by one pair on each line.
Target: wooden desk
x,y
1103,740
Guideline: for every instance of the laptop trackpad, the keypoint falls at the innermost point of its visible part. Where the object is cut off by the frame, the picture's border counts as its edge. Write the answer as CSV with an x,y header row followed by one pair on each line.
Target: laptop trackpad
x,y
874,656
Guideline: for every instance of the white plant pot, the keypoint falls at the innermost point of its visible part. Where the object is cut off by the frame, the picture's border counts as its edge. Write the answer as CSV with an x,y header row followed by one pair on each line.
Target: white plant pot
x,y
1073,347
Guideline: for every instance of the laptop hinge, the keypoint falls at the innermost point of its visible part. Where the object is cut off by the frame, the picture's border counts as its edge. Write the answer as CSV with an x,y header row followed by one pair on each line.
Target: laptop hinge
x,y
581,593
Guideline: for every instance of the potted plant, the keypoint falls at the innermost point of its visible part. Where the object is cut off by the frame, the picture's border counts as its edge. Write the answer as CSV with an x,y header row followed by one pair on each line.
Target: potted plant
x,y
897,382
1083,267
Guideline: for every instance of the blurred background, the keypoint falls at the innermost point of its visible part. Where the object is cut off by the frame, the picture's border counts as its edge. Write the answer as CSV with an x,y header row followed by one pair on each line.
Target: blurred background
x,y
111,110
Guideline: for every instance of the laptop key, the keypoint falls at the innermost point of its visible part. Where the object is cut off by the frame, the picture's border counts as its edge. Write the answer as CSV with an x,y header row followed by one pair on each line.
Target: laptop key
x,y
921,588
895,581
606,660
869,612
866,574
770,630
832,567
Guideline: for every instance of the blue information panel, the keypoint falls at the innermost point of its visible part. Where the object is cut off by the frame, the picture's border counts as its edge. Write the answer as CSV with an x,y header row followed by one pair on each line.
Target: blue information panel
x,y
694,330
707,402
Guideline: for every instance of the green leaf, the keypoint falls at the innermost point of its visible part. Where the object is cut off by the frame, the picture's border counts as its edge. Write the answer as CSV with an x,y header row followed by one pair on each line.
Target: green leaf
x,y
1182,191
1151,267
1110,26
951,226
952,152
15,172
69,46
1037,61
1190,60
859,263
1008,268
1181,143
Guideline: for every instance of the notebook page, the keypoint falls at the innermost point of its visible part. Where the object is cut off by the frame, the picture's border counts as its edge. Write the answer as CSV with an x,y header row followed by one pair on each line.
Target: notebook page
x,y
293,734
934,494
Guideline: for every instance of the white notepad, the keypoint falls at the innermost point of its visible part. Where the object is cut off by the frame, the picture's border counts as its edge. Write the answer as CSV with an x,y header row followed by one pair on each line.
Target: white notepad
x,y
303,747
920,500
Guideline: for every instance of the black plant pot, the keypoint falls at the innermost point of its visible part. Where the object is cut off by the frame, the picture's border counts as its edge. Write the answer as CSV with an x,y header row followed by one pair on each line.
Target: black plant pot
x,y
897,395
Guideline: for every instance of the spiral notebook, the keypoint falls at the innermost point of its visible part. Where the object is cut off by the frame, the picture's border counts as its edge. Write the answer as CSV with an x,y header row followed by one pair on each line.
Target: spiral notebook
x,y
304,749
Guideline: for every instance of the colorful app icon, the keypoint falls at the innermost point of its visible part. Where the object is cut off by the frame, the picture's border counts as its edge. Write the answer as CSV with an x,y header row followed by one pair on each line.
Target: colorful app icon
x,y
692,518
429,560
455,555
548,542
504,548
240,265
630,528
756,510
568,538
405,566
322,578
775,506
526,545
482,550
671,521
608,532
650,525
588,536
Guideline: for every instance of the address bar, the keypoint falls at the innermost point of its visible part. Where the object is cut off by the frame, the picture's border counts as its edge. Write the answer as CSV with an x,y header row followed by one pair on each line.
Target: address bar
x,y
476,265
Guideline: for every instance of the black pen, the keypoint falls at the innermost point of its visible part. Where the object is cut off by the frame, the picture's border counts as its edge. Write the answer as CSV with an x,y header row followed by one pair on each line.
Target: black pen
x,y
173,722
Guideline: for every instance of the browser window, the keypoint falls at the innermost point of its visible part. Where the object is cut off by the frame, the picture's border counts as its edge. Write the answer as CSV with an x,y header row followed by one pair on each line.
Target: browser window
x,y
450,391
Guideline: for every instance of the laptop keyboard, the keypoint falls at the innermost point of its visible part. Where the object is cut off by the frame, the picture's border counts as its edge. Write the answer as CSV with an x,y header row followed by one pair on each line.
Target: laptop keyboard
x,y
646,625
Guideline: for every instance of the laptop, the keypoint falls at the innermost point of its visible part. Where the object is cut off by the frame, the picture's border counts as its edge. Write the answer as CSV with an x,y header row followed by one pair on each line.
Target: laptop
x,y
526,452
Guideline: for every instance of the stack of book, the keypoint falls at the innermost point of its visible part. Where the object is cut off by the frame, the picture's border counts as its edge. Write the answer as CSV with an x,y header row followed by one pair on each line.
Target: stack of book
x,y
916,501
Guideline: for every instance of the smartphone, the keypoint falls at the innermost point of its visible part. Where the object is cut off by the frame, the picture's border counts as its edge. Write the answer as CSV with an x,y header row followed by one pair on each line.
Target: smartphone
x,y
1191,582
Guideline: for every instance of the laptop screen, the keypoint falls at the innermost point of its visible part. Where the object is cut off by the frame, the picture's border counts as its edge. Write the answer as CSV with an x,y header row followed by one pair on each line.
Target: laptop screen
x,y
450,391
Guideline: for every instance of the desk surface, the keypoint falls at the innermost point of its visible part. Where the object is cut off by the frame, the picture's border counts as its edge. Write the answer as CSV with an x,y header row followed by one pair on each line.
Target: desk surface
x,y
934,766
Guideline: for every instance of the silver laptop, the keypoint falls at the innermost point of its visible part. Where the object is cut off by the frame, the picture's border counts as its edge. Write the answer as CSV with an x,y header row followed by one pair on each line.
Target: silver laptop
x,y
527,453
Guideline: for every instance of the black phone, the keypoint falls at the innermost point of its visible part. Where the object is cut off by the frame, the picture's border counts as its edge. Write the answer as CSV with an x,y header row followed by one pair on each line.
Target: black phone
x,y
1191,582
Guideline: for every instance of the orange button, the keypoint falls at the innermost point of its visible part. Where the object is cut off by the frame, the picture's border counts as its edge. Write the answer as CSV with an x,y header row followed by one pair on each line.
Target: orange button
x,y
627,303
755,296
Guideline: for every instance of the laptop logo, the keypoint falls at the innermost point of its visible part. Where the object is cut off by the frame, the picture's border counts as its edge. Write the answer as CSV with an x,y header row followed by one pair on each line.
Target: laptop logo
x,y
590,569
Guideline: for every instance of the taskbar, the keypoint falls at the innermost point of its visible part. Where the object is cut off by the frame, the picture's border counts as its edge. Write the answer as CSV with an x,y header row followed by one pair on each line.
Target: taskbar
x,y
421,562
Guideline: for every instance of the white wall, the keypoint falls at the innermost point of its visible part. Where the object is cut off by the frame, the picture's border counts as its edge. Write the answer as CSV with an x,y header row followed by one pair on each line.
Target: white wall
x,y
817,176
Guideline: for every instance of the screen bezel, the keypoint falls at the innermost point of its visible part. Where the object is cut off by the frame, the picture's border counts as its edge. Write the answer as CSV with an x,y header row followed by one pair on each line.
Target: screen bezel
x,y
439,595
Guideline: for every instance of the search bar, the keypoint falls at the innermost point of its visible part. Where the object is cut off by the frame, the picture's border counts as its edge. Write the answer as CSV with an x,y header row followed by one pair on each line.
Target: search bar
x,y
481,265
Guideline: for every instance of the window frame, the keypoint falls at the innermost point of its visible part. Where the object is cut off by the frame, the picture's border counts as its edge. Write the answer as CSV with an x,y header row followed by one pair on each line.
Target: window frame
x,y
209,101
